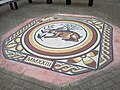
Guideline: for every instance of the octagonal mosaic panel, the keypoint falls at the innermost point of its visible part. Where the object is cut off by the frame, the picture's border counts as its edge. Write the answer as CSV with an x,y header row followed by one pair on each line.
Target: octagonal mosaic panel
x,y
67,44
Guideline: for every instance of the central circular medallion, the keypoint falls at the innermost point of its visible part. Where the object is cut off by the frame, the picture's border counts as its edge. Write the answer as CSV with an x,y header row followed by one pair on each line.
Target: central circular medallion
x,y
59,35
60,39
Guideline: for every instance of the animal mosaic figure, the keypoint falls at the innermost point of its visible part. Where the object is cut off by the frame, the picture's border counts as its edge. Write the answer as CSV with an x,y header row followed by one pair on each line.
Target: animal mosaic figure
x,y
66,35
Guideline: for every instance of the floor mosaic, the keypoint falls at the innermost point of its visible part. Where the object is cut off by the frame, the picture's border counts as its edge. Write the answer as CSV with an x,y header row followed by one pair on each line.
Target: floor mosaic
x,y
67,44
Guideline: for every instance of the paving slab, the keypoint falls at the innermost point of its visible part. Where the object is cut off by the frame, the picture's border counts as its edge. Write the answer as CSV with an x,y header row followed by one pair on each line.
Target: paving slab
x,y
108,84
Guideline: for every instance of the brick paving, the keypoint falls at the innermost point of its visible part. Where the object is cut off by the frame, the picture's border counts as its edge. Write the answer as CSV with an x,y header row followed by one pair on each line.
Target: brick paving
x,y
13,81
106,79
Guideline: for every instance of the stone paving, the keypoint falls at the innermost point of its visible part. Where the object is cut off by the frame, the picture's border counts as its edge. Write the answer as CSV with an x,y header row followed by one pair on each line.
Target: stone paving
x,y
106,79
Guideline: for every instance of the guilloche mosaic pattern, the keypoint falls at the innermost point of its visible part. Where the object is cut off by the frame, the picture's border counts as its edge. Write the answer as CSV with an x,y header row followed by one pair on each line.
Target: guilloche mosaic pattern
x,y
67,44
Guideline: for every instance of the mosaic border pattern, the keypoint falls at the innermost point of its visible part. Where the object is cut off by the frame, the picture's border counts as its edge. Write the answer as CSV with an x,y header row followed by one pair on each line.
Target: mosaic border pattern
x,y
95,59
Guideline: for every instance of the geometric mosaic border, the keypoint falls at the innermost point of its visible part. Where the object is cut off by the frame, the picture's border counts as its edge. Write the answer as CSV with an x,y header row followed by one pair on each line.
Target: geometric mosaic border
x,y
66,44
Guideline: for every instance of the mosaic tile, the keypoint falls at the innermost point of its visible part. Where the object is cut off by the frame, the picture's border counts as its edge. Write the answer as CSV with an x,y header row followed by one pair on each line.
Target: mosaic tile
x,y
69,45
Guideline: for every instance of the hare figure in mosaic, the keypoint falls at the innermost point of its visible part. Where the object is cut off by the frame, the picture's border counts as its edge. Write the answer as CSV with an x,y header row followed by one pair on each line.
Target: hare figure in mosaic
x,y
66,35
